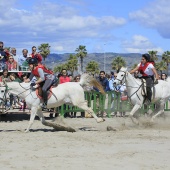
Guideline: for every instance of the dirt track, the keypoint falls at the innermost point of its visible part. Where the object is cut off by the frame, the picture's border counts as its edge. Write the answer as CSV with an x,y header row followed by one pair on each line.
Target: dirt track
x,y
129,146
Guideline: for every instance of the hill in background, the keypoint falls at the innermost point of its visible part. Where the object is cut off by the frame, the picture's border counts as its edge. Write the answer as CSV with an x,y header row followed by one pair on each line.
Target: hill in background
x,y
130,58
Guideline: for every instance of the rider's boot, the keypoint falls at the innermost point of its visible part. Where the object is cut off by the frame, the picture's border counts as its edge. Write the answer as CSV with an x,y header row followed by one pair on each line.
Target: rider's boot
x,y
149,95
45,98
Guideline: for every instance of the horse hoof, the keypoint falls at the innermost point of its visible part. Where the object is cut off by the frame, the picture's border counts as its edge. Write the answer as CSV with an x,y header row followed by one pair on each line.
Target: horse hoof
x,y
100,120
71,130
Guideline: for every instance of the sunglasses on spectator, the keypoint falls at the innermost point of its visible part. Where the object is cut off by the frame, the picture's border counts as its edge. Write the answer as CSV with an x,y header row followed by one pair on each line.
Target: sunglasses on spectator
x,y
11,58
2,46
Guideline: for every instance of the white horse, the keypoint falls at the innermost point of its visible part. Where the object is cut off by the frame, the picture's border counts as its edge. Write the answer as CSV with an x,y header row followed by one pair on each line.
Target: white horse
x,y
160,93
69,93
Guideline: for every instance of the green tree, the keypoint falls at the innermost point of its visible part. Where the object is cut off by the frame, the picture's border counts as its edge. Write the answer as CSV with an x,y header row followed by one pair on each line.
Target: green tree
x,y
58,69
92,67
153,55
166,58
72,63
117,63
161,66
44,50
81,53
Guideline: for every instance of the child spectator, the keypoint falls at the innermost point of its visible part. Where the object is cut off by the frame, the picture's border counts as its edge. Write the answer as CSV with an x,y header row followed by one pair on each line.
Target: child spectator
x,y
11,63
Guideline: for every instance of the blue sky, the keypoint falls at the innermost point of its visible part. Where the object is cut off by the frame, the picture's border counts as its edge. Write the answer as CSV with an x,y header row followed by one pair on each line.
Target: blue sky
x,y
124,26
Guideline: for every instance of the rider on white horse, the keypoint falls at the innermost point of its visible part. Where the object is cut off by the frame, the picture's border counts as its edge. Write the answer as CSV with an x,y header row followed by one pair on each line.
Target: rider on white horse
x,y
147,70
43,75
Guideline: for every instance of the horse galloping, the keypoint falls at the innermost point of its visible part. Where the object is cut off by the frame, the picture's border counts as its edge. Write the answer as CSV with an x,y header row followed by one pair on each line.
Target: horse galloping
x,y
160,93
66,93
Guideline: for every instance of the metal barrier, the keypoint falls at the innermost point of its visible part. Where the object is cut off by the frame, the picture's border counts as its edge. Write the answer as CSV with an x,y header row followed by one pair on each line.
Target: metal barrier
x,y
109,103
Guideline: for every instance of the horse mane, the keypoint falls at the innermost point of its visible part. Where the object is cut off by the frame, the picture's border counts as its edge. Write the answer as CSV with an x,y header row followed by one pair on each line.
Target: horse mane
x,y
88,80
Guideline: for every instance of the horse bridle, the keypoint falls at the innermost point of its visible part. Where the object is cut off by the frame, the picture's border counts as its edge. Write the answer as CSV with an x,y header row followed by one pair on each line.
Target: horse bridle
x,y
124,77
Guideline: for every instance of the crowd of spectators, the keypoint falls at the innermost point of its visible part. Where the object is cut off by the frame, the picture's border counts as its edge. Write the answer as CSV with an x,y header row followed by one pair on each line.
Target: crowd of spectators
x,y
9,59
10,65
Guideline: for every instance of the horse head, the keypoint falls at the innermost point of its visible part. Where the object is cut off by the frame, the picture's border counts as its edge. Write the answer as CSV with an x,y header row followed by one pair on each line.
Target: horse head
x,y
121,76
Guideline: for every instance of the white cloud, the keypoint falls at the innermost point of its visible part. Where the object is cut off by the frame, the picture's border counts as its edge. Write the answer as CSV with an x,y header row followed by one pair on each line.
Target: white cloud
x,y
139,44
156,15
51,22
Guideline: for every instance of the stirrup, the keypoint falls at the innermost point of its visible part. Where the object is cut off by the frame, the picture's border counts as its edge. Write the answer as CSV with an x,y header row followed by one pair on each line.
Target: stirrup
x,y
43,105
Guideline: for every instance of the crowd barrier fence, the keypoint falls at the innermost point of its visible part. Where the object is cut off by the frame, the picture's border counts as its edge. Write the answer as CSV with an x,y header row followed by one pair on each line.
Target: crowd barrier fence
x,y
110,102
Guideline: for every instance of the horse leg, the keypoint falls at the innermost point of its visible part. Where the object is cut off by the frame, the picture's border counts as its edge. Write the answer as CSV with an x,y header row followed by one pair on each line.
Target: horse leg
x,y
161,110
55,126
32,117
133,111
84,106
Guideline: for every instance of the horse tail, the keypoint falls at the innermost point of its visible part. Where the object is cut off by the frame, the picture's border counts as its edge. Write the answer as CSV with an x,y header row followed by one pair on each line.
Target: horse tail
x,y
87,80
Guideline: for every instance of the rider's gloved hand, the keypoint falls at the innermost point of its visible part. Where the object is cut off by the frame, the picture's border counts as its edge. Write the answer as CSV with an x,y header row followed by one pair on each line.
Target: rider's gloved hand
x,y
32,84
156,81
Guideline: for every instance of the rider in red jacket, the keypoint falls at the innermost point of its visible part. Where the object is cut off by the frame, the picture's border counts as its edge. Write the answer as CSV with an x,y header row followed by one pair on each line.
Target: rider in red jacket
x,y
148,71
44,77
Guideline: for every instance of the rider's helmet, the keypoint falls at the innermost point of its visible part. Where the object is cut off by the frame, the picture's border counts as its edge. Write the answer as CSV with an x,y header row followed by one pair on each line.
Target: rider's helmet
x,y
33,61
146,56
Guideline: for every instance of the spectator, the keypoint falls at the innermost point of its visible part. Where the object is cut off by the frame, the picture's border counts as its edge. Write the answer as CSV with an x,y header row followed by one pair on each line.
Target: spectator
x,y
3,56
112,74
24,77
36,55
64,77
103,81
11,63
23,57
4,76
123,93
15,56
163,76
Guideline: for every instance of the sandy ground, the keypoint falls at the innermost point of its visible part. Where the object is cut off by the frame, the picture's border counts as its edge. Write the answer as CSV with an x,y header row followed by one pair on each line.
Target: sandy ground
x,y
91,147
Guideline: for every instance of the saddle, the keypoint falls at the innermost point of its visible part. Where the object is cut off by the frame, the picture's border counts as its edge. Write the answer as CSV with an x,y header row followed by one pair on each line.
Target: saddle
x,y
39,92
49,92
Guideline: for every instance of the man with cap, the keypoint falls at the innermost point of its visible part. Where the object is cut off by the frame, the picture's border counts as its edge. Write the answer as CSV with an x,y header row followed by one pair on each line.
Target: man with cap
x,y
147,70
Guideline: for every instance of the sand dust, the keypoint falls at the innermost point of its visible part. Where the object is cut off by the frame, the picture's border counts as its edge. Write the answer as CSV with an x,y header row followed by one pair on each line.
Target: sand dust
x,y
91,147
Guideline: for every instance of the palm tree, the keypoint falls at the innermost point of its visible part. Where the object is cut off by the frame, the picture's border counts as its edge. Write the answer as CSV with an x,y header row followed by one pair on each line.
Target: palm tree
x,y
72,63
153,55
117,63
81,53
92,67
166,58
44,50
161,66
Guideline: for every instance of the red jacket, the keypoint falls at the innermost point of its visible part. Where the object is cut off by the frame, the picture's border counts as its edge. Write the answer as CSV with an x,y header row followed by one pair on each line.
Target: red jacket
x,y
64,79
37,56
35,71
143,68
